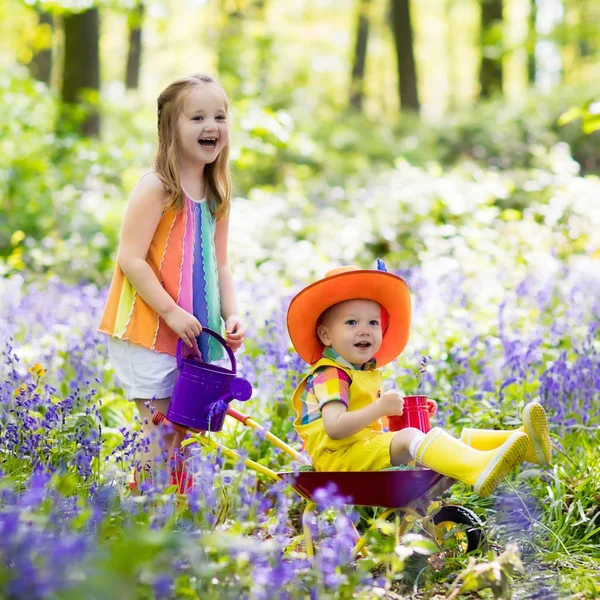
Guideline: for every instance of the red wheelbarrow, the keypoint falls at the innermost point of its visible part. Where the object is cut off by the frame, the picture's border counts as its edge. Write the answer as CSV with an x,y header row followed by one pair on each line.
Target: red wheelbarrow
x,y
407,492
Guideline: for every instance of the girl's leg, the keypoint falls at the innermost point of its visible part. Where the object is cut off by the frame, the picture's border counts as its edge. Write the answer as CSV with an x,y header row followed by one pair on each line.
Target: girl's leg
x,y
161,443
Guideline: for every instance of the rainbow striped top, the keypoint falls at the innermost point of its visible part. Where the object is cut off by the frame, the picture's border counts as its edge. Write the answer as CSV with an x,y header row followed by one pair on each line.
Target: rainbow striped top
x,y
182,255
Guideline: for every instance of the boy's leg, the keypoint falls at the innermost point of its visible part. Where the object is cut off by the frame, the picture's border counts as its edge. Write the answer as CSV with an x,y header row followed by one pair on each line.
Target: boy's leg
x,y
535,425
401,445
441,452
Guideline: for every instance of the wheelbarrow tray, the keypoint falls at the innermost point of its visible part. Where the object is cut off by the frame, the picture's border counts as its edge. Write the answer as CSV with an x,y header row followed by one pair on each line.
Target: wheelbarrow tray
x,y
390,489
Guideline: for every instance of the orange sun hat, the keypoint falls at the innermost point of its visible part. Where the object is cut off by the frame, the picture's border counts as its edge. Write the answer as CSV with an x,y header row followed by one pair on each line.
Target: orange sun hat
x,y
351,283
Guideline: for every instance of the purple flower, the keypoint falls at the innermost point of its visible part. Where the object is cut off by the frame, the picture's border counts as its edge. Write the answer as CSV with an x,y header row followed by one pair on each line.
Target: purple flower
x,y
163,586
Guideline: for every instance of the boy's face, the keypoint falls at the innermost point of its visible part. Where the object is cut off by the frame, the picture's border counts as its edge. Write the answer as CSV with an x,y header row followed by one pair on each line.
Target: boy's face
x,y
353,329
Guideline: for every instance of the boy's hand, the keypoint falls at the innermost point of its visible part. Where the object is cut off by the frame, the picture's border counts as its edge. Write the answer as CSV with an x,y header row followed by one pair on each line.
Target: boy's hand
x,y
390,403
234,332
431,407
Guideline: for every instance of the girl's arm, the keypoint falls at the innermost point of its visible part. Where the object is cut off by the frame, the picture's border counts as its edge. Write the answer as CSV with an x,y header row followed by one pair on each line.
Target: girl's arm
x,y
235,330
144,211
340,423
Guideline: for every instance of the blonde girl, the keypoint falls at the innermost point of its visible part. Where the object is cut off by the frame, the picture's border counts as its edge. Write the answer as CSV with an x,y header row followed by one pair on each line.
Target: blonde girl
x,y
172,276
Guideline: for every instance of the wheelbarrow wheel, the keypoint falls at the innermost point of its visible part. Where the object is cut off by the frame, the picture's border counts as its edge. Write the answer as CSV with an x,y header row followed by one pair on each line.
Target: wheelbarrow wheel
x,y
469,539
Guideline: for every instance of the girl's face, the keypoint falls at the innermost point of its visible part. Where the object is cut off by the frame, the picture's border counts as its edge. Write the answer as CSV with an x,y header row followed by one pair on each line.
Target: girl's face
x,y
202,125
353,329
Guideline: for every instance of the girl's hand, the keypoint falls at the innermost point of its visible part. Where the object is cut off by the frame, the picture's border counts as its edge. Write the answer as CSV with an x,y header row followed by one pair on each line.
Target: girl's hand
x,y
391,403
184,324
234,332
431,407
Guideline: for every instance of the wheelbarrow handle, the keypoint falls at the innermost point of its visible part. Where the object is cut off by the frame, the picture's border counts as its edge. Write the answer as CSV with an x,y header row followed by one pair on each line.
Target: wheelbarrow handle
x,y
218,338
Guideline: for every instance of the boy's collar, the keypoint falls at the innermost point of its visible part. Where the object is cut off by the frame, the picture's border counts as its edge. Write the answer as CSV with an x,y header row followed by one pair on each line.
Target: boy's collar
x,y
329,352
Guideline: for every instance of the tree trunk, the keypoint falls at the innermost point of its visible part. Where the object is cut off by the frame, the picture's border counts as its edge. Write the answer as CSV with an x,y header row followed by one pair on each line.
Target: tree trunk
x,y
82,67
588,26
264,45
403,38
490,71
531,42
360,55
231,49
134,53
451,53
41,63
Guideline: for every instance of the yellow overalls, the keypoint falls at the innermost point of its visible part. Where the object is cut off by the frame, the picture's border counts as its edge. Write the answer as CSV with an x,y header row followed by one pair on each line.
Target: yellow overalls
x,y
367,450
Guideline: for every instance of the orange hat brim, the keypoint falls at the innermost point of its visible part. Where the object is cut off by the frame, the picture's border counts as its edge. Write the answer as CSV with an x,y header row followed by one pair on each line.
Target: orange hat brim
x,y
387,289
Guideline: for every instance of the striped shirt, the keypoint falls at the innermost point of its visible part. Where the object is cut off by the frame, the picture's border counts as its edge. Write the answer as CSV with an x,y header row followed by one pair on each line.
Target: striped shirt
x,y
183,257
328,384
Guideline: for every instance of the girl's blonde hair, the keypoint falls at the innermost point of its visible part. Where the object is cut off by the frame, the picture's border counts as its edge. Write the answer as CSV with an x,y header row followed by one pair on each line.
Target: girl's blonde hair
x,y
166,164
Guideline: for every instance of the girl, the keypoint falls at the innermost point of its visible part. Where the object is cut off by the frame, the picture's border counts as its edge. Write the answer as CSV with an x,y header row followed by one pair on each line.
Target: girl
x,y
172,275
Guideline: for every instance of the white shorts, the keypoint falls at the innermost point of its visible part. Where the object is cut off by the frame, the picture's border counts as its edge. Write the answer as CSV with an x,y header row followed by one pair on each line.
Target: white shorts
x,y
142,373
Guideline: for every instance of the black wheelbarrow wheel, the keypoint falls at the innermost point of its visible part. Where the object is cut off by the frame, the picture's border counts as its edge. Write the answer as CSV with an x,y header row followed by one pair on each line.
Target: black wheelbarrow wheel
x,y
467,538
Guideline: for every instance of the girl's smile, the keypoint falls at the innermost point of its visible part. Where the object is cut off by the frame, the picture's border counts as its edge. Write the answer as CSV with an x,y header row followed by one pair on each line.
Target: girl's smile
x,y
209,143
203,130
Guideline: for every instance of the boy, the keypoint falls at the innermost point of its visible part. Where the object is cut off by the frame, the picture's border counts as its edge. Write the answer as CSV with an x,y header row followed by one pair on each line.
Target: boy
x,y
345,326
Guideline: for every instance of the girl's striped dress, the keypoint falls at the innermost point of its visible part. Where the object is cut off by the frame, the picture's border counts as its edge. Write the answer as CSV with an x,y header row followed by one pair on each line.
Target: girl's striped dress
x,y
182,255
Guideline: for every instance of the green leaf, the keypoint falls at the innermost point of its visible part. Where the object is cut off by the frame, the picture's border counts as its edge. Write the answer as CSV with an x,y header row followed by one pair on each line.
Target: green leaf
x,y
591,123
570,115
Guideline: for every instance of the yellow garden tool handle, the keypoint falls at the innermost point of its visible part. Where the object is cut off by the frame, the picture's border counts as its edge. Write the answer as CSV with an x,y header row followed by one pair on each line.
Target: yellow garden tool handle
x,y
249,422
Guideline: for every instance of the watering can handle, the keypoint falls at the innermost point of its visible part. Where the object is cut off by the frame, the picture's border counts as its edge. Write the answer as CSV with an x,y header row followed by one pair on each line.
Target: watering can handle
x,y
218,338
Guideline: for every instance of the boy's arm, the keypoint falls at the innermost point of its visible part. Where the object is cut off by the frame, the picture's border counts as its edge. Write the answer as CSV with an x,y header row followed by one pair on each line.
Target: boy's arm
x,y
339,423
331,387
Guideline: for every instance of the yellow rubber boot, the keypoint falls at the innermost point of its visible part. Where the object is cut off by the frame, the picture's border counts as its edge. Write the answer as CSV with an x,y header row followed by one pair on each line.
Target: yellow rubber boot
x,y
535,425
483,470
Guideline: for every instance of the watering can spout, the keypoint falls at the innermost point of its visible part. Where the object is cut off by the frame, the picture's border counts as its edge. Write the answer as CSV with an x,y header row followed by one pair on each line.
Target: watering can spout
x,y
240,389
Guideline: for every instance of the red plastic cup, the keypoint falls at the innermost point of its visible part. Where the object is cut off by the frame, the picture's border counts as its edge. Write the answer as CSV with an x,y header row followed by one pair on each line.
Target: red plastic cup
x,y
416,414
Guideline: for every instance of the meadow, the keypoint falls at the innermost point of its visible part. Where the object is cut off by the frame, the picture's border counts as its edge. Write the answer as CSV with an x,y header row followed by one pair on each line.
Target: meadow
x,y
504,269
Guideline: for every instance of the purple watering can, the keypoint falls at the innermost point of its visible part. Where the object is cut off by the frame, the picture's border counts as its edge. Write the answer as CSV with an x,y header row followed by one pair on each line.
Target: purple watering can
x,y
202,390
